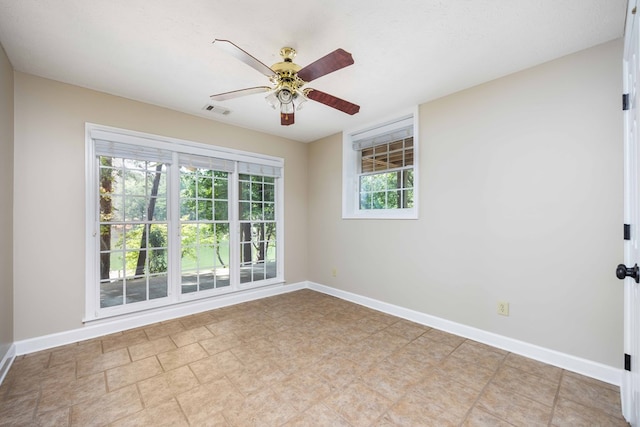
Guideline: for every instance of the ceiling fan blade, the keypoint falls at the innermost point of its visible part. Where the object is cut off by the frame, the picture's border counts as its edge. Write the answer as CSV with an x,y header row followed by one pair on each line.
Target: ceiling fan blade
x,y
287,119
336,60
241,92
332,101
243,56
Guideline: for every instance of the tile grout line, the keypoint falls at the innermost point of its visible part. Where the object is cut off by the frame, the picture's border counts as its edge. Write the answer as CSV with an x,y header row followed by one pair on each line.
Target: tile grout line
x,y
184,414
34,417
556,398
406,389
430,367
475,403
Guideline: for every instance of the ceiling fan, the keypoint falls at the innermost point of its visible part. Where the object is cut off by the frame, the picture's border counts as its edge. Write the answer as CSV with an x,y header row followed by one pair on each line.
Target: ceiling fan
x,y
287,80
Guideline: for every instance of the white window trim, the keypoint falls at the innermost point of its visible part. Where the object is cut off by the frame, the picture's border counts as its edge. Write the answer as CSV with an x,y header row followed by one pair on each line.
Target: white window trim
x,y
249,162
350,186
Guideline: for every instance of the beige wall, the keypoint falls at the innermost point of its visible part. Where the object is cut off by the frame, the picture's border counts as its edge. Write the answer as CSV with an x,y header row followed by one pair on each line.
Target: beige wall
x,y
6,207
50,200
520,200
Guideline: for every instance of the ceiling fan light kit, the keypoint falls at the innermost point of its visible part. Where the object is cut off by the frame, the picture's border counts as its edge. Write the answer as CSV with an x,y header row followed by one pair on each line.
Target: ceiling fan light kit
x,y
287,79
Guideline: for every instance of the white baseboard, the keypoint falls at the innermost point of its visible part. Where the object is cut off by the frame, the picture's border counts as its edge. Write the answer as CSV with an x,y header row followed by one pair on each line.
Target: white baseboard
x,y
581,366
7,361
100,328
575,364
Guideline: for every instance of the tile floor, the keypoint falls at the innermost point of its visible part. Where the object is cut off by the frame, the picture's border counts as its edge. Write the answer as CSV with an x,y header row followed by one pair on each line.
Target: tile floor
x,y
299,359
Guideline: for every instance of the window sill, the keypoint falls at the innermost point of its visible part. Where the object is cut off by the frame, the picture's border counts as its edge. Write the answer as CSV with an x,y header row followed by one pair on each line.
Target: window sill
x,y
382,214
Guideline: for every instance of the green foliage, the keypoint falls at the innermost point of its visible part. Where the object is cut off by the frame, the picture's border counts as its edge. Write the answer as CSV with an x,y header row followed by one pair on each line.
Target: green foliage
x,y
125,189
157,257
203,197
156,248
387,190
126,193
257,212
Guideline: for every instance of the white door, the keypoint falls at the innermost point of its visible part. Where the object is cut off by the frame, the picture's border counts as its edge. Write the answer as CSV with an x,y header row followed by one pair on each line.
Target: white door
x,y
630,390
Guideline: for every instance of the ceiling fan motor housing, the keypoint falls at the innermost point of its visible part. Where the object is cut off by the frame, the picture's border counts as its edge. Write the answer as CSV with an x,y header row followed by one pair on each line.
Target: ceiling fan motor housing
x,y
286,72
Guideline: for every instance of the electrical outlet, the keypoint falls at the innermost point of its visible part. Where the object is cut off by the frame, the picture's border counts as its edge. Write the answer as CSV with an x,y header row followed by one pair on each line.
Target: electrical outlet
x,y
503,308
334,272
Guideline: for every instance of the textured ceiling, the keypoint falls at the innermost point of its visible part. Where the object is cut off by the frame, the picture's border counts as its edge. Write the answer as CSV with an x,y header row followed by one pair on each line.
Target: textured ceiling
x,y
406,52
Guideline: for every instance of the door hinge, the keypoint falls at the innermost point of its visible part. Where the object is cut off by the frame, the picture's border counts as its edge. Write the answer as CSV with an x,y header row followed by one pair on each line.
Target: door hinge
x,y
627,232
625,101
627,362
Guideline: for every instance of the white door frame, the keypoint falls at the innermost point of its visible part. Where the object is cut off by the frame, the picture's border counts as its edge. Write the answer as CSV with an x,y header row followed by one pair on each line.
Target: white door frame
x,y
630,387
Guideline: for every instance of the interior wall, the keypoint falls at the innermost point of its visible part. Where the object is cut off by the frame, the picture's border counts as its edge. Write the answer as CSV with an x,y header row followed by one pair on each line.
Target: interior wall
x,y
50,191
520,201
6,207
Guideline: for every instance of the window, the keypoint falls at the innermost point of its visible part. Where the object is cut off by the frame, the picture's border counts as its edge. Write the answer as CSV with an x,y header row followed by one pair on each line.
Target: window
x,y
257,228
170,221
133,230
386,175
380,170
204,226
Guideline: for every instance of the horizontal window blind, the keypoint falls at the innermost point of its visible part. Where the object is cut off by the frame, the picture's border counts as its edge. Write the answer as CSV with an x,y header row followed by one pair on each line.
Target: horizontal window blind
x,y
257,169
129,151
134,147
390,132
212,163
